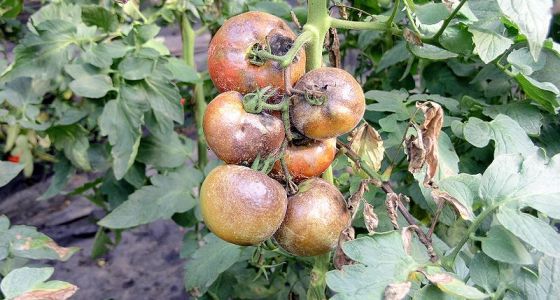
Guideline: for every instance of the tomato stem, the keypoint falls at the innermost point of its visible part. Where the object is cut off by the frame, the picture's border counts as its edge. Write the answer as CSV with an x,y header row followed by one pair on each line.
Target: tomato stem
x,y
286,59
188,37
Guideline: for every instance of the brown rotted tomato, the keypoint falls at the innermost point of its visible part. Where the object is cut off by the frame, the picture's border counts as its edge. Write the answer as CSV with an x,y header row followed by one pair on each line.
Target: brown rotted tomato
x,y
242,206
308,160
238,137
229,53
341,112
316,216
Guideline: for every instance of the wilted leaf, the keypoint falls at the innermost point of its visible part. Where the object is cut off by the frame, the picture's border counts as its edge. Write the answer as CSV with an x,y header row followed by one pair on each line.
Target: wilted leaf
x,y
27,242
415,151
442,196
449,284
406,234
431,129
340,259
368,145
397,291
370,218
412,37
31,284
391,204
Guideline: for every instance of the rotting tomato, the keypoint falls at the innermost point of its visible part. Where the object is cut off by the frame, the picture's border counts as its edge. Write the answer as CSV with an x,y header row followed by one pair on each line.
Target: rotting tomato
x,y
308,160
341,111
316,216
229,52
238,137
242,206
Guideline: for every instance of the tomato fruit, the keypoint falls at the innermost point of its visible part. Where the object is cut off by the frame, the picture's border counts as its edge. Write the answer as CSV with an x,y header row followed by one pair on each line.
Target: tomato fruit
x,y
316,216
341,112
229,62
238,137
308,160
242,206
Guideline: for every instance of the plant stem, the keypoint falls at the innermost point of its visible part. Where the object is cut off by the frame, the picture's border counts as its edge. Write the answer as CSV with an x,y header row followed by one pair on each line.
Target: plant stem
x,y
287,59
188,38
449,261
447,21
411,19
318,23
393,14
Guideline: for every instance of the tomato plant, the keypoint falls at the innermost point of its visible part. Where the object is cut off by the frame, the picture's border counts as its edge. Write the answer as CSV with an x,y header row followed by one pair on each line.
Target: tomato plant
x,y
433,124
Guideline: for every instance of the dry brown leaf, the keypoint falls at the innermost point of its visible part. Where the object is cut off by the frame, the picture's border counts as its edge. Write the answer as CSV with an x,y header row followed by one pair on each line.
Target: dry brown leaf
x,y
441,196
355,199
428,134
340,259
60,294
391,204
396,291
411,37
406,235
368,145
370,218
416,153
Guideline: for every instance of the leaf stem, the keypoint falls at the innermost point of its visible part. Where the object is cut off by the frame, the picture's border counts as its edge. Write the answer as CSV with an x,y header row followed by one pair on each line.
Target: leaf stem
x,y
449,261
411,19
446,22
389,23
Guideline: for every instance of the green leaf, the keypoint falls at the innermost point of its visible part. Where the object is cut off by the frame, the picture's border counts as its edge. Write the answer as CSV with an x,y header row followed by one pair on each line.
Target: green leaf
x,y
489,44
533,19
431,13
165,151
522,61
381,260
210,260
484,272
457,40
393,56
10,8
546,286
136,68
63,172
431,52
532,181
431,292
544,93
181,71
43,54
31,283
56,11
168,194
95,86
526,115
533,231
393,101
73,140
9,171
451,285
100,17
505,247
463,187
280,9
508,136
122,121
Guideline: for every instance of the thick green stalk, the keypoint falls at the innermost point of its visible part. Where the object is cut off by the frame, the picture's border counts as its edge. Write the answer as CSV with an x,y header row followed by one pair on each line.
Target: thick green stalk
x,y
188,37
449,261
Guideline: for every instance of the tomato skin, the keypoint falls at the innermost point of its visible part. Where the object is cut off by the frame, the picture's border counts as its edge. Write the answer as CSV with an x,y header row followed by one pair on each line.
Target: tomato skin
x,y
316,216
228,64
238,137
310,160
242,206
14,159
342,111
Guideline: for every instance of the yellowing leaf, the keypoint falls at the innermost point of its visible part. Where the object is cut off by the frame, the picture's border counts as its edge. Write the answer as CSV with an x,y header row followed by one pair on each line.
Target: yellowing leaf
x,y
368,145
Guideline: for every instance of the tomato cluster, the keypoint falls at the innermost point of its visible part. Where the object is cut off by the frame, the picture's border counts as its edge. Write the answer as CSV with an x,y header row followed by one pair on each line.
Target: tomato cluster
x,y
242,205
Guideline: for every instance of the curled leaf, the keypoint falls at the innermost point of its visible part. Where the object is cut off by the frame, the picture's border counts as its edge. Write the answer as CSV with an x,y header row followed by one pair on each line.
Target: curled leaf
x,y
370,218
340,259
368,145
428,135
355,199
406,235
391,204
415,151
411,37
396,291
441,196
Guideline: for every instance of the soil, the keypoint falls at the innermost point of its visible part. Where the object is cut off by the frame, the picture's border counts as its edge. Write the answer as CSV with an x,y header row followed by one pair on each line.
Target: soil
x,y
145,265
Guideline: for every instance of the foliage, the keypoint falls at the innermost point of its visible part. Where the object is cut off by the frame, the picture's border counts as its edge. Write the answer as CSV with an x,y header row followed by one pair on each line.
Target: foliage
x,y
93,88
